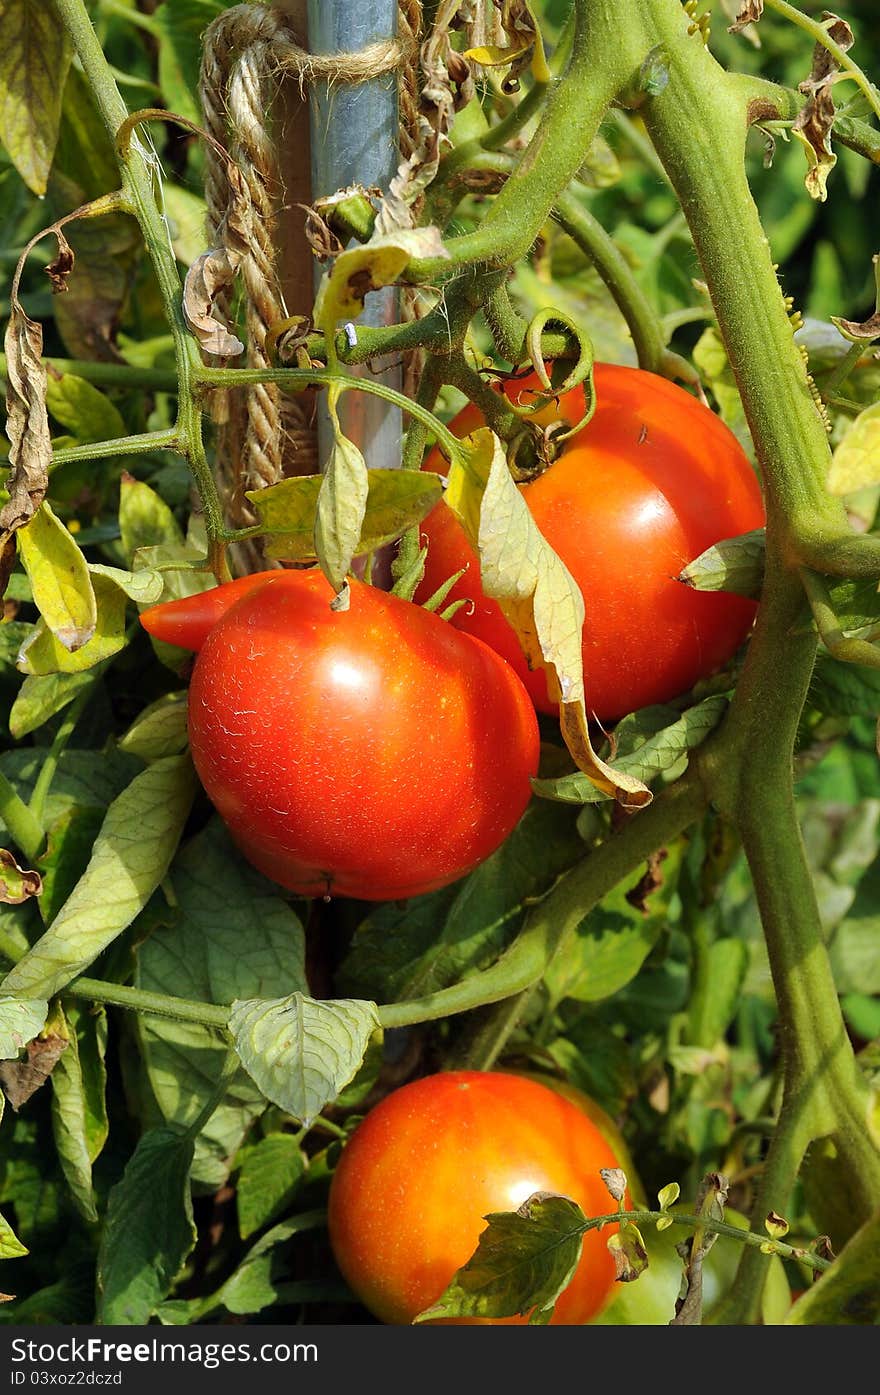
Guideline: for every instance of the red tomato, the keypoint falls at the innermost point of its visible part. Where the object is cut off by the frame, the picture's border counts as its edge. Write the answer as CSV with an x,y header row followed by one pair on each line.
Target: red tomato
x,y
418,1176
649,484
375,752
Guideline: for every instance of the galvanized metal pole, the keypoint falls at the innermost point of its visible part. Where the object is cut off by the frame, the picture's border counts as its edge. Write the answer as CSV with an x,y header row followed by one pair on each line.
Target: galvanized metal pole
x,y
354,140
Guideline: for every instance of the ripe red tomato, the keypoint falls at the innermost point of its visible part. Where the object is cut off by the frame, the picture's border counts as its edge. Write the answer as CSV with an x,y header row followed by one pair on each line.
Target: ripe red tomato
x,y
375,752
429,1162
649,484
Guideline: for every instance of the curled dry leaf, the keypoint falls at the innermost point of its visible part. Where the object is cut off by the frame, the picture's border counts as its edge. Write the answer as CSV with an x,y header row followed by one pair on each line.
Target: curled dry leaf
x,y
615,1181
17,884
27,422
627,1249
748,13
447,86
813,125
209,274
20,1079
538,595
60,268
215,270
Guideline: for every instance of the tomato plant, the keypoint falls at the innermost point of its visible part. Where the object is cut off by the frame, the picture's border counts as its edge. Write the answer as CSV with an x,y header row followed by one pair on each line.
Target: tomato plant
x,y
427,1164
682,920
374,752
653,480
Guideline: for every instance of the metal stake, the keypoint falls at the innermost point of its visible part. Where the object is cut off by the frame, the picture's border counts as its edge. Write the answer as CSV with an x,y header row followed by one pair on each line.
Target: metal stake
x,y
354,141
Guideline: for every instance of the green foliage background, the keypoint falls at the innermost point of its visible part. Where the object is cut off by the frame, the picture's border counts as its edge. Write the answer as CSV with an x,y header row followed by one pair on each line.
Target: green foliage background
x,y
666,1017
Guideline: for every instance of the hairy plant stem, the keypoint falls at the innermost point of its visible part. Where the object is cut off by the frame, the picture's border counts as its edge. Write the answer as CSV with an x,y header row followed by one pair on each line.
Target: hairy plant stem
x,y
137,185
698,127
576,104
95,990
751,1239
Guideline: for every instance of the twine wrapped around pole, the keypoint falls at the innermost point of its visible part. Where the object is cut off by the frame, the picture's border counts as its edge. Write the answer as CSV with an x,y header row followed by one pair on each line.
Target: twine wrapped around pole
x,y
248,51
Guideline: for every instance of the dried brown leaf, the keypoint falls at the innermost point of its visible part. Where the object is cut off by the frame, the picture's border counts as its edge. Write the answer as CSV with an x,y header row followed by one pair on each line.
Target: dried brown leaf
x,y
749,13
711,1196
210,274
59,270
615,1181
813,124
868,329
17,884
20,1079
27,422
637,896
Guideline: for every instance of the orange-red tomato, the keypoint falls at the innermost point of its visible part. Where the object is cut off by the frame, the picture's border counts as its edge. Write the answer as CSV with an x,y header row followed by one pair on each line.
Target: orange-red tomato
x,y
649,484
375,752
427,1164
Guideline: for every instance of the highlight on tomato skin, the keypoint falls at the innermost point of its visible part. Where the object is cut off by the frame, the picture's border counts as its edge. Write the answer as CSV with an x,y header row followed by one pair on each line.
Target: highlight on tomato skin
x,y
427,1164
653,480
375,752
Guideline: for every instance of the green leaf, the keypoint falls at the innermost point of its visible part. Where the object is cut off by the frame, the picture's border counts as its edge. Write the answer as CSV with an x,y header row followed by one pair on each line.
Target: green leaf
x,y
20,1022
180,25
735,565
255,1283
405,950
339,513
849,1293
160,730
41,696
45,653
610,945
525,1259
659,753
143,586
131,856
710,357
232,936
148,1231
268,1178
60,579
86,412
10,1245
79,1110
34,59
301,1052
92,779
396,499
845,690
359,270
856,460
145,520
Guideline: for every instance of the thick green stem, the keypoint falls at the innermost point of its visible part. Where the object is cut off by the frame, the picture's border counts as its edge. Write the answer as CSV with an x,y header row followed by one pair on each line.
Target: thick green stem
x,y
123,445
576,104
95,990
698,125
